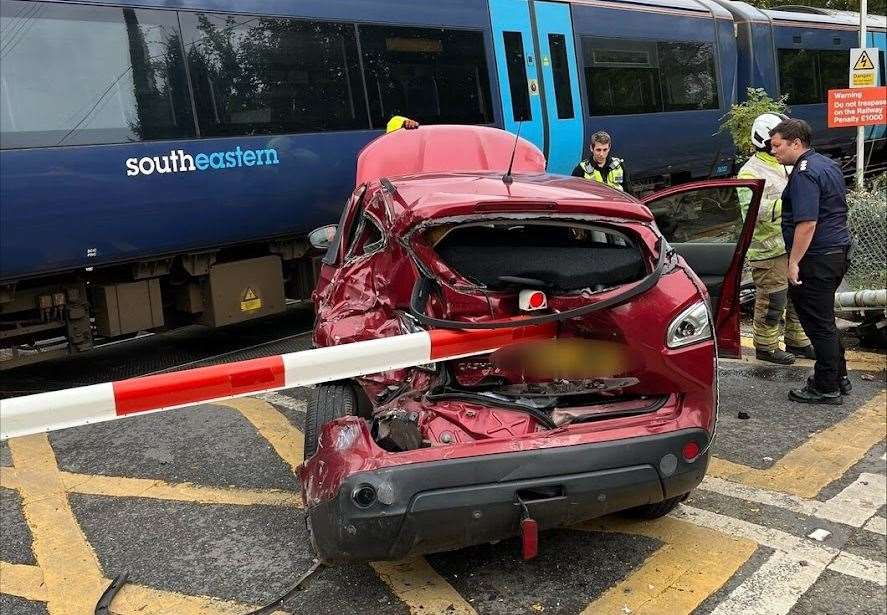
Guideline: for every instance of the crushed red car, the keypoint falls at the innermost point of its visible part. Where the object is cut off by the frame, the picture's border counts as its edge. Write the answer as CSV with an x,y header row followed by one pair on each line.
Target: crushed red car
x,y
616,412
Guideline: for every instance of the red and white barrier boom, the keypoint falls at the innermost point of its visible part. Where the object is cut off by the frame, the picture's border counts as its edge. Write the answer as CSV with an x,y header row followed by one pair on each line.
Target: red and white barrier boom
x,y
21,416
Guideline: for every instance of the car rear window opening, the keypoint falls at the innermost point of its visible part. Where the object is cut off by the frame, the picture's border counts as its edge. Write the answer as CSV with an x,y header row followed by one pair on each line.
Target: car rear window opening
x,y
553,257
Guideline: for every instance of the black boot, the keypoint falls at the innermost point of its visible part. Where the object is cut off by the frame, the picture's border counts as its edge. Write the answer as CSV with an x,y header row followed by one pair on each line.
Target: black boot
x,y
778,356
844,384
804,352
809,395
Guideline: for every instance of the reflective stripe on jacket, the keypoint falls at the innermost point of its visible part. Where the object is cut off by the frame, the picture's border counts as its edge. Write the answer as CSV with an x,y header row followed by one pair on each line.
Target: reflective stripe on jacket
x,y
767,239
615,173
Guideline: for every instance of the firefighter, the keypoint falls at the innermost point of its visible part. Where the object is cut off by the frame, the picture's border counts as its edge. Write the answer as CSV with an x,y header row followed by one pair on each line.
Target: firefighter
x,y
601,166
399,121
766,254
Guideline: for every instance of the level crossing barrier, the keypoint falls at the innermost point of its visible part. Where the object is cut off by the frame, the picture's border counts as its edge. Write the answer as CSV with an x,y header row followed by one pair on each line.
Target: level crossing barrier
x,y
20,416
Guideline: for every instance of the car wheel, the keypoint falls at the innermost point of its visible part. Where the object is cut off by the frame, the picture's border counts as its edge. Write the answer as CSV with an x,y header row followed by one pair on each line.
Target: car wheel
x,y
327,402
654,511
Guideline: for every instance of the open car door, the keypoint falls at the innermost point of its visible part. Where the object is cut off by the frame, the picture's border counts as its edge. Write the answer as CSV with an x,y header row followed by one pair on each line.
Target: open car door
x,y
703,222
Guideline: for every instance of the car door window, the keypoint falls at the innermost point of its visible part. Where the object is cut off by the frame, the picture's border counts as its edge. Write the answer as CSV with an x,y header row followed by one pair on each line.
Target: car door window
x,y
367,238
708,215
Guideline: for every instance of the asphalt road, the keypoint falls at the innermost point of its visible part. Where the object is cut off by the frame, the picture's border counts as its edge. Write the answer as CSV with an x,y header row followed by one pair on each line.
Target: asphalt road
x,y
200,506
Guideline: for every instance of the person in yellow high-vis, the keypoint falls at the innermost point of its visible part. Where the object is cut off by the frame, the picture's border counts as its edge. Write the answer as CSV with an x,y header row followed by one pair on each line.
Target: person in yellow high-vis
x,y
398,121
766,255
601,166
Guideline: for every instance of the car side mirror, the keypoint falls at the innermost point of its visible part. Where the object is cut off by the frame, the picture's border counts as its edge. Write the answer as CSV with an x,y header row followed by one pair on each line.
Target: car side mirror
x,y
322,237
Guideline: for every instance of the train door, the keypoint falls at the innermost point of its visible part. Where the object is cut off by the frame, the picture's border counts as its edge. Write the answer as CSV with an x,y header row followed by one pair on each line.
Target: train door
x,y
538,77
560,85
516,69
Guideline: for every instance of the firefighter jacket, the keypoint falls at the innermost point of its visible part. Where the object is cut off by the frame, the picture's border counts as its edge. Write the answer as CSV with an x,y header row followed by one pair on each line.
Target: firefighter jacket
x,y
767,239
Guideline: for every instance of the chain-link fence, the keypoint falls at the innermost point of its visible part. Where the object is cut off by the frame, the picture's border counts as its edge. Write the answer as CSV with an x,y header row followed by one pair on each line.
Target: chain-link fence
x,y
867,218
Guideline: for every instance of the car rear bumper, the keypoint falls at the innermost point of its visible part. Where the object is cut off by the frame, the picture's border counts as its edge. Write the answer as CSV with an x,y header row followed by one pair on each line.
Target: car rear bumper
x,y
453,503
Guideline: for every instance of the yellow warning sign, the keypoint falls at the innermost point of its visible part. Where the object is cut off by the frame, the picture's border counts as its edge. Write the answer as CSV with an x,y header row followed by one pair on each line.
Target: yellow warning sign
x,y
250,301
864,62
863,67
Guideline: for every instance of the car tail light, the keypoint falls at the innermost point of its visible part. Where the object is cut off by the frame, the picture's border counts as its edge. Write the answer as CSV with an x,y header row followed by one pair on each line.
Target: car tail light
x,y
532,300
690,326
690,451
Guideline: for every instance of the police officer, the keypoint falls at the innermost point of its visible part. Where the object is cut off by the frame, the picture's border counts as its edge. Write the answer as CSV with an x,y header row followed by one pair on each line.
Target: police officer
x,y
766,254
601,166
814,227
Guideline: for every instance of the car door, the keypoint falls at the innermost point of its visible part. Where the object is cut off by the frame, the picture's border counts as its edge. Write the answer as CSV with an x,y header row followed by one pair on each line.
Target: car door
x,y
703,222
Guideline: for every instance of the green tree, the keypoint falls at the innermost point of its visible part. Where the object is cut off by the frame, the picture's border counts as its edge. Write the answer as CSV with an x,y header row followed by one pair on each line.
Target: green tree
x,y
739,119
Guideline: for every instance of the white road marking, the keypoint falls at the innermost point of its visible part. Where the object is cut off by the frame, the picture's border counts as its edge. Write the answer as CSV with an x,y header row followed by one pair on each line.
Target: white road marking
x,y
798,547
858,502
877,525
853,506
286,401
860,567
774,588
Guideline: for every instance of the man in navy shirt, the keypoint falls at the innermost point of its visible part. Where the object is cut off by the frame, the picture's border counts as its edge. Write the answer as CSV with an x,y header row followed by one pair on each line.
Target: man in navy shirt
x,y
814,227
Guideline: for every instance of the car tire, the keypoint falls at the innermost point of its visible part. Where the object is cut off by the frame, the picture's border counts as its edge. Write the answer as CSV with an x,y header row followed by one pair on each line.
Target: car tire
x,y
656,510
327,402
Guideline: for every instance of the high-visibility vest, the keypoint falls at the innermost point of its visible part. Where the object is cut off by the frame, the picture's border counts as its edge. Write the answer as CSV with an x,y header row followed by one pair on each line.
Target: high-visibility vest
x,y
767,239
615,176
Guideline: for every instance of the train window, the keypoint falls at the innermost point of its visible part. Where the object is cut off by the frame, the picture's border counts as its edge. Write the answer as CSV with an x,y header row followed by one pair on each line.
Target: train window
x,y
688,76
517,76
75,75
258,75
808,74
833,74
797,76
622,77
560,70
431,75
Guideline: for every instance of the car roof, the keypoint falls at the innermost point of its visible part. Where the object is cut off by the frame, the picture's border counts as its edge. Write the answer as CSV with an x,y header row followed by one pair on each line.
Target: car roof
x,y
438,195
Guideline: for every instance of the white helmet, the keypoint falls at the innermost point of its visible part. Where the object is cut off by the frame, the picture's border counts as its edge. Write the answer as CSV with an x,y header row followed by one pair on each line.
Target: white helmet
x,y
761,127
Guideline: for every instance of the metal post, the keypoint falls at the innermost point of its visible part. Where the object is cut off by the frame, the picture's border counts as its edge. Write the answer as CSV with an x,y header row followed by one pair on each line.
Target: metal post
x,y
860,130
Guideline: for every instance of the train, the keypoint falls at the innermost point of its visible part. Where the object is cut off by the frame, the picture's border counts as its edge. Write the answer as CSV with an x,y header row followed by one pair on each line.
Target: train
x,y
162,161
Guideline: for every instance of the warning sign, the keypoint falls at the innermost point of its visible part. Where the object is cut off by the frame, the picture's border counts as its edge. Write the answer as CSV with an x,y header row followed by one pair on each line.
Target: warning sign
x,y
863,67
250,301
859,107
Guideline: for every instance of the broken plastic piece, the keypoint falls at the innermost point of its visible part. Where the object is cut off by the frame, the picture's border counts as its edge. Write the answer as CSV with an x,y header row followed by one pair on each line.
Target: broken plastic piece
x,y
819,534
396,433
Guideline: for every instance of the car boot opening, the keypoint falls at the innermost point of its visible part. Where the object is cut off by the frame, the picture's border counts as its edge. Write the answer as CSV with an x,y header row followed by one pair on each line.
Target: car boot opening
x,y
548,256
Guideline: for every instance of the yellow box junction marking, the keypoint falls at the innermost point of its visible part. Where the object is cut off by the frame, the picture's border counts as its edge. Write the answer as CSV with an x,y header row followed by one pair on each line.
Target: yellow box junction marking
x,y
693,563
68,576
284,438
419,586
821,460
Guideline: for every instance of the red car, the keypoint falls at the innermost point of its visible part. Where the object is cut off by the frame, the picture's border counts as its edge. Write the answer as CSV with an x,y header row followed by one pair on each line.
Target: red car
x,y
617,412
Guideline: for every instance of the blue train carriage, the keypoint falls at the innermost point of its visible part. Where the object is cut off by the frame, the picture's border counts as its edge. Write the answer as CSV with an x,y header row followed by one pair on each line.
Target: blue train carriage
x,y
804,52
658,75
163,160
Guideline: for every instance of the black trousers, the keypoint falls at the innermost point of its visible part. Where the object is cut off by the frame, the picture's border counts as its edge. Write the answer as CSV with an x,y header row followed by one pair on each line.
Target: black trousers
x,y
814,300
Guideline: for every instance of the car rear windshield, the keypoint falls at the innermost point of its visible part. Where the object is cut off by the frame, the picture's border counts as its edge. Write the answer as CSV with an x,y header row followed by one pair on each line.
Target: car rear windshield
x,y
554,257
